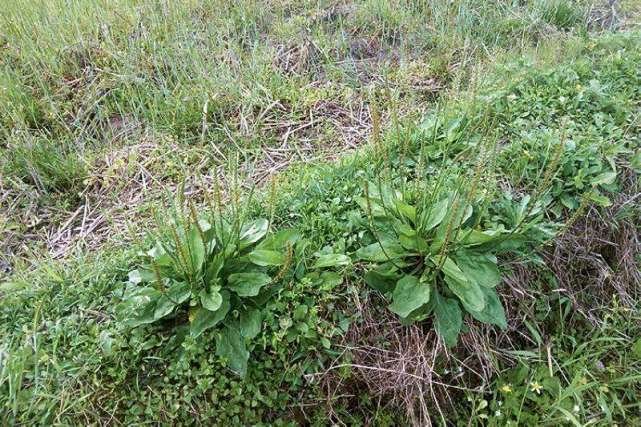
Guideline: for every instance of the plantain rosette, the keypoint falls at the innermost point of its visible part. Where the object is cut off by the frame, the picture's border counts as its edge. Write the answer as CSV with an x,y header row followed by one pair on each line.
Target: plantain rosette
x,y
218,274
430,256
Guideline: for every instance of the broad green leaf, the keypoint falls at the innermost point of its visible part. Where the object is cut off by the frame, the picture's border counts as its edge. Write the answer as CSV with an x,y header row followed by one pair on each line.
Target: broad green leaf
x,y
406,210
280,240
264,257
144,302
454,129
635,161
250,322
145,316
329,280
253,232
414,244
371,208
479,268
600,199
469,292
202,319
419,314
178,293
214,267
448,319
331,260
493,312
248,284
159,255
476,237
196,248
569,201
300,312
511,242
384,194
450,268
139,276
452,221
204,225
521,210
164,306
450,226
409,295
383,280
605,178
106,340
211,299
403,229
380,252
231,346
434,215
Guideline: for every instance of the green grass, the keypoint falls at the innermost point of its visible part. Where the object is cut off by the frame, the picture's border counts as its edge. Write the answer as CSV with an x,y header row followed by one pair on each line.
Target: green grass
x,y
205,80
108,107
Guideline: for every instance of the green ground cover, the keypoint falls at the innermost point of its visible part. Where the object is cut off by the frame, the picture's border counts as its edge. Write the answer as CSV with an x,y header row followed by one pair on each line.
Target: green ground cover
x,y
381,213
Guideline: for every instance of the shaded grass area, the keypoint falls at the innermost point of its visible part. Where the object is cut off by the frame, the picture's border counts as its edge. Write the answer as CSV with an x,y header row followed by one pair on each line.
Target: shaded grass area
x,y
130,95
64,358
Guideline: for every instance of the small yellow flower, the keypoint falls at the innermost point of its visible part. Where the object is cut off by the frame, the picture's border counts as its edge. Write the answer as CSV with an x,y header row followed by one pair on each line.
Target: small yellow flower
x,y
505,388
583,381
536,387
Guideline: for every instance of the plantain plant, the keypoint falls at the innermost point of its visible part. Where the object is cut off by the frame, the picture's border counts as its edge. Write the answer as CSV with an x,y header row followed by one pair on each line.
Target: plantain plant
x,y
211,270
432,253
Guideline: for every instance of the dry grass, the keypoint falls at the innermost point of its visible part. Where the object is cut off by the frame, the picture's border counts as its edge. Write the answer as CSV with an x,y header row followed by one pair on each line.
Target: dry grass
x,y
134,174
614,15
597,257
118,184
409,368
